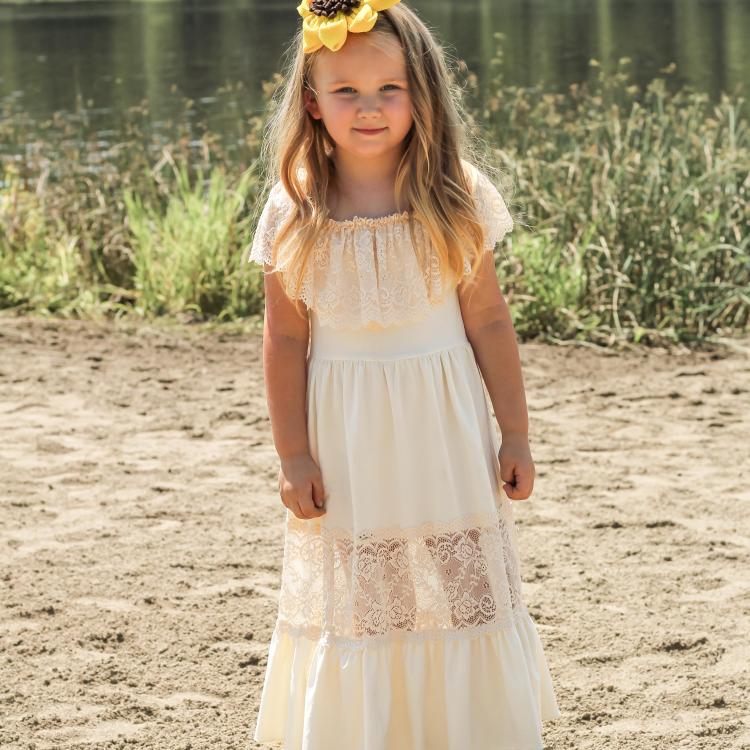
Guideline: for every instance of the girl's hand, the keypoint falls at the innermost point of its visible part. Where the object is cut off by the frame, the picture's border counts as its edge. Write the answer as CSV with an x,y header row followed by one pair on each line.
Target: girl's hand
x,y
301,486
516,466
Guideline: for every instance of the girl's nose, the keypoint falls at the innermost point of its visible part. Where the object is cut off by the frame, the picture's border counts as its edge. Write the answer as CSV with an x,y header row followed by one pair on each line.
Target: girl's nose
x,y
369,103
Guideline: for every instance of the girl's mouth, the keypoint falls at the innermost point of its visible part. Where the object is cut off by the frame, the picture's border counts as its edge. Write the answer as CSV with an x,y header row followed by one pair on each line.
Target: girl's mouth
x,y
370,131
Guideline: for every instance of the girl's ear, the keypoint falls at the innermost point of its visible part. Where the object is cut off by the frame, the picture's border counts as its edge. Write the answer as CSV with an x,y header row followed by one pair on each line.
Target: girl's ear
x,y
311,104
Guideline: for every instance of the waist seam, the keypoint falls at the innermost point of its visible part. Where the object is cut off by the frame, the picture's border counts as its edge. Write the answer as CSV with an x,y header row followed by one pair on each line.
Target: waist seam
x,y
466,344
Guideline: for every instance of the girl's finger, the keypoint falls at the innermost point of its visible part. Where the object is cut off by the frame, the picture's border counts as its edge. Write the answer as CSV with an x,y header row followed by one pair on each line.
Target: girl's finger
x,y
512,479
318,492
294,507
308,508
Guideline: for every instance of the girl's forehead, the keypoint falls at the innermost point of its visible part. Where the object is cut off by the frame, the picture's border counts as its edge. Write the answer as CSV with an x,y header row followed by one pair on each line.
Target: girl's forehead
x,y
362,58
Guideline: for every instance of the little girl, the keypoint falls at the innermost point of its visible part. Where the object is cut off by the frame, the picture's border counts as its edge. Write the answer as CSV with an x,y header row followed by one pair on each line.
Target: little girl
x,y
401,623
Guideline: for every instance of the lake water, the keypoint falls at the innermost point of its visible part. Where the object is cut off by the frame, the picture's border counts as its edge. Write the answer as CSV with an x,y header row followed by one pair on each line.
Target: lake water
x,y
114,54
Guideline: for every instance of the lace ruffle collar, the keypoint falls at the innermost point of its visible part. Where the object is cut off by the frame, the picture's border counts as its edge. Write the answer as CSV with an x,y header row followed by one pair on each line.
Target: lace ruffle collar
x,y
365,272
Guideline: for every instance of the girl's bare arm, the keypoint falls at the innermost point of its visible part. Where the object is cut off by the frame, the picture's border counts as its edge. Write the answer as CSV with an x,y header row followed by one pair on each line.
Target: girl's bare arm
x,y
489,329
286,335
286,332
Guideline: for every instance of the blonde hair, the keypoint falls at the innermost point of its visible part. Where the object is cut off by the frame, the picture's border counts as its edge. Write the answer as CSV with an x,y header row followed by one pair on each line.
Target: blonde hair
x,y
430,177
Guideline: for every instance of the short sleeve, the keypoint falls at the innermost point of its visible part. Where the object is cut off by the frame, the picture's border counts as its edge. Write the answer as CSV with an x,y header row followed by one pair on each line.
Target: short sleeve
x,y
493,212
271,218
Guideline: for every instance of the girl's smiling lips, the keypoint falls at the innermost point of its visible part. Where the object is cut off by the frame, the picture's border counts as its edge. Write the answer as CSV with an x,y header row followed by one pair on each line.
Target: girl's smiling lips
x,y
369,130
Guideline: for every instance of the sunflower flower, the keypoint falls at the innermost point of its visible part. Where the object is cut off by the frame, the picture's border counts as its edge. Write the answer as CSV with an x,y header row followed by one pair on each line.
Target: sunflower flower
x,y
341,17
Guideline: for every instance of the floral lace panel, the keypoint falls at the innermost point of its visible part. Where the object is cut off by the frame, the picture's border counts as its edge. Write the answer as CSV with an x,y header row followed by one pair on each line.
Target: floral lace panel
x,y
367,272
448,578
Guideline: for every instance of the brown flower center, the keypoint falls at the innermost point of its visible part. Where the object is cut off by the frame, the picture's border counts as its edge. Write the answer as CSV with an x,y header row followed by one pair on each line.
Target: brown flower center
x,y
330,8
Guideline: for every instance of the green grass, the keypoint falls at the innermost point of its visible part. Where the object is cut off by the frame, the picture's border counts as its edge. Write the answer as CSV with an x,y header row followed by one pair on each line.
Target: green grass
x,y
186,255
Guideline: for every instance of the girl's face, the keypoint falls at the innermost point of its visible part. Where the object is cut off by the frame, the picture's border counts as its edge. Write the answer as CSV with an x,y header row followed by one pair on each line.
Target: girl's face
x,y
362,86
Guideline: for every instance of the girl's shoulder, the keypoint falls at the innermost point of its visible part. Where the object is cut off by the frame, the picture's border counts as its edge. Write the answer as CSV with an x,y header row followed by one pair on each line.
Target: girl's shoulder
x,y
278,200
471,172
276,208
491,207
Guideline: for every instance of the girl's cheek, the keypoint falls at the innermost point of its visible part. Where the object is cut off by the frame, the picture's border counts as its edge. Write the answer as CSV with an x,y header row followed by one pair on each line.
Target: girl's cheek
x,y
340,109
400,115
400,105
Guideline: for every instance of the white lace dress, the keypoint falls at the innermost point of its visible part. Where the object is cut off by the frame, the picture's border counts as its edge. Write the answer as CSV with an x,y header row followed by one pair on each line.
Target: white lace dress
x,y
401,623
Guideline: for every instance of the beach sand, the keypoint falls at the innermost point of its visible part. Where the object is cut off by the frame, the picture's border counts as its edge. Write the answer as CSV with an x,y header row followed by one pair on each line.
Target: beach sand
x,y
141,539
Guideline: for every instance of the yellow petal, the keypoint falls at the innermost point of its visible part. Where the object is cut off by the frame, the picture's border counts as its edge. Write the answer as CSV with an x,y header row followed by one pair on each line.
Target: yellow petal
x,y
333,32
377,5
304,9
310,29
363,20
311,44
312,23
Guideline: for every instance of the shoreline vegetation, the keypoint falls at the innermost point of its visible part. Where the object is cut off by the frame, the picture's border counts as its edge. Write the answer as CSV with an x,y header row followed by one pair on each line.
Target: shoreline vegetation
x,y
40,2
631,211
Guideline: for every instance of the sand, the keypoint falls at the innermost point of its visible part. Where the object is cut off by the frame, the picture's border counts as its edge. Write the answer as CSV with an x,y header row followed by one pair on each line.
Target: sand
x,y
141,539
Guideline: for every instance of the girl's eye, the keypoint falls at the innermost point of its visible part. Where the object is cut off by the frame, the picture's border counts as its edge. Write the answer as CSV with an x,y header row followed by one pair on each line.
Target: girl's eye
x,y
349,88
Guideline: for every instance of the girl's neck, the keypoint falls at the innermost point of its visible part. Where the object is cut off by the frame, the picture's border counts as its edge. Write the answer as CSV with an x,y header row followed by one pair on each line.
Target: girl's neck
x,y
354,174
363,187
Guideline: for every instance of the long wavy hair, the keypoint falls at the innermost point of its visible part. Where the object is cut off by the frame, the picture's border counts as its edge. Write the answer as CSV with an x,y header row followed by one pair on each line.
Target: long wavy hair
x,y
430,176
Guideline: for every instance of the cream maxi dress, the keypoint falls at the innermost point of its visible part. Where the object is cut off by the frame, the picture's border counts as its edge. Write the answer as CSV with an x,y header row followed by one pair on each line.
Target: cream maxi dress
x,y
401,623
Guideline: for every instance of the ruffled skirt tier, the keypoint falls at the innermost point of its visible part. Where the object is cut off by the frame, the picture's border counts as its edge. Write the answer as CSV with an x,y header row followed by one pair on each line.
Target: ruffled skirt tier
x,y
486,691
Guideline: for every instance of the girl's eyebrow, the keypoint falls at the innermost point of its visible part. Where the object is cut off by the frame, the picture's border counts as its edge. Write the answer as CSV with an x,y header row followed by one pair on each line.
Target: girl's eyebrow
x,y
382,80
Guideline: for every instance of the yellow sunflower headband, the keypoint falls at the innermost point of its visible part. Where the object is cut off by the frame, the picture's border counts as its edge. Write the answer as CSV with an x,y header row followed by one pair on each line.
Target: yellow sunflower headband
x,y
327,22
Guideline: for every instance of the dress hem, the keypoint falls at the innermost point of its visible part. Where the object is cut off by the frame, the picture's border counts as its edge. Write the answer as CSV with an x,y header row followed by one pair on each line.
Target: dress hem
x,y
438,695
